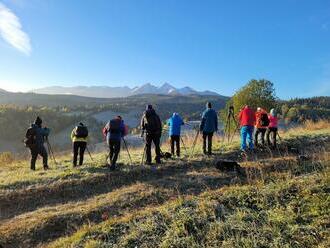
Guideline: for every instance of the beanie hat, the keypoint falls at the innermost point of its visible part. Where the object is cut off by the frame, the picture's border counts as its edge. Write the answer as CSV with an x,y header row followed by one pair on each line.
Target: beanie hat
x,y
149,107
38,121
208,105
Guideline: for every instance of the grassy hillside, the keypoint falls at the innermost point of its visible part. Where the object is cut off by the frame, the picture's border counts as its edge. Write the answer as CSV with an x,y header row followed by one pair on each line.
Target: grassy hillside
x,y
279,200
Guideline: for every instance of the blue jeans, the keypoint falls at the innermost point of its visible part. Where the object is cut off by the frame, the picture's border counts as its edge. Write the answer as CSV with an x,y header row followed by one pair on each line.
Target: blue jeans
x,y
246,132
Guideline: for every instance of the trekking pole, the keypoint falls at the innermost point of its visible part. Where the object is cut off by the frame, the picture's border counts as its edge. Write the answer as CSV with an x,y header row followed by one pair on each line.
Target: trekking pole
x,y
129,155
90,155
50,150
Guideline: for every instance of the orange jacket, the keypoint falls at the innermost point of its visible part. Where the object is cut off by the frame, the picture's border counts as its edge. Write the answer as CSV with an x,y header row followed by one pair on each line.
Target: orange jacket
x,y
258,117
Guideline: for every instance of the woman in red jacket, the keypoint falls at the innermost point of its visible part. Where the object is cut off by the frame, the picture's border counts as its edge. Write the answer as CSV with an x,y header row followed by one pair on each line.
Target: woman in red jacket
x,y
272,128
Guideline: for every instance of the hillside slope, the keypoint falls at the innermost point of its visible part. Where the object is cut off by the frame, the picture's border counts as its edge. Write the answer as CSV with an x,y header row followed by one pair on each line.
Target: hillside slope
x,y
279,200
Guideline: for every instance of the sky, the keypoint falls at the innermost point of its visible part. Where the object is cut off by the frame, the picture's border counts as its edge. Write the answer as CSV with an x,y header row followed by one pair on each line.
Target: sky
x,y
205,44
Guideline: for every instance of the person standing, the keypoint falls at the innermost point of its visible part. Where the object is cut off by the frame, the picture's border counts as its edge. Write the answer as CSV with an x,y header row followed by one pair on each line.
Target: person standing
x,y
272,128
175,123
261,125
79,136
247,120
34,139
208,126
114,131
152,127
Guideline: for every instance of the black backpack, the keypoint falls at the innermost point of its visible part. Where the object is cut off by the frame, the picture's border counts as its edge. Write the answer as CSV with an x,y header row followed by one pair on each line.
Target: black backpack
x,y
30,137
153,124
81,132
264,121
114,126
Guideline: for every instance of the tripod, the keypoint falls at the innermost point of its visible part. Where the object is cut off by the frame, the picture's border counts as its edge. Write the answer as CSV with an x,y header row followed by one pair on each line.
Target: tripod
x,y
129,155
230,119
90,155
50,150
194,143
184,146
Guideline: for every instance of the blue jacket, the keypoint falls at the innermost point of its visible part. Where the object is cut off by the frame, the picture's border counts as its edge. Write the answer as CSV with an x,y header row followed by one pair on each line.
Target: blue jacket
x,y
41,135
209,122
175,123
115,135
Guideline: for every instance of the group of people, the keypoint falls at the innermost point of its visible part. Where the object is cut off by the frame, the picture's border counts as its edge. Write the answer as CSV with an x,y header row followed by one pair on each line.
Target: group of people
x,y
115,130
261,124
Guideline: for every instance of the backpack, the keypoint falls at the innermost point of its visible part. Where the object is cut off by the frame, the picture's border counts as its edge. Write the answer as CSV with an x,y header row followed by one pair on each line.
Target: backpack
x,y
81,132
152,123
264,120
30,137
115,126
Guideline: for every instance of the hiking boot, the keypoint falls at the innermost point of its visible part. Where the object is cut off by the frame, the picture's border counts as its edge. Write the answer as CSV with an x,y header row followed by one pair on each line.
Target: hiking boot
x,y
158,162
46,167
112,167
33,168
148,163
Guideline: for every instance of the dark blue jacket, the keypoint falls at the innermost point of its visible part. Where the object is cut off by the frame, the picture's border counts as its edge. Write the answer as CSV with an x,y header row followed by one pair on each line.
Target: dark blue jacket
x,y
115,135
175,123
41,135
209,122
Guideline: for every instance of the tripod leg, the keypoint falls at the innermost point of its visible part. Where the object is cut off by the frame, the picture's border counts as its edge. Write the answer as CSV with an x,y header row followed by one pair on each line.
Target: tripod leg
x,y
50,151
185,149
90,155
129,155
144,152
194,143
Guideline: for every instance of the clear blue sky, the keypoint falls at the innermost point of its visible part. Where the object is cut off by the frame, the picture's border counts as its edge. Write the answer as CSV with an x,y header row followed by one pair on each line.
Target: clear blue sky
x,y
208,45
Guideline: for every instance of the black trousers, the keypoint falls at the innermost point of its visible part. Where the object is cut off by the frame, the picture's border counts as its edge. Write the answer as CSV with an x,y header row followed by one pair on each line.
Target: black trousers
x,y
175,141
152,138
271,131
114,146
35,151
259,132
78,147
207,138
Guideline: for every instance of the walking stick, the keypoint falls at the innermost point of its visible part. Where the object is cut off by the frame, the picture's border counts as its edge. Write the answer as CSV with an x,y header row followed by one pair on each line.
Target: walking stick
x,y
50,151
89,153
129,155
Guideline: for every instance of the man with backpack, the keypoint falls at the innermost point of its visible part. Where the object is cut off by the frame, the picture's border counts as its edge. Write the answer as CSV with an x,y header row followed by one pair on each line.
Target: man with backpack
x,y
262,123
114,131
79,137
152,127
247,121
175,123
34,139
208,126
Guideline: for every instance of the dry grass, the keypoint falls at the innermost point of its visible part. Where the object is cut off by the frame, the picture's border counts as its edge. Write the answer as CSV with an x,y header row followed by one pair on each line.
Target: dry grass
x,y
183,203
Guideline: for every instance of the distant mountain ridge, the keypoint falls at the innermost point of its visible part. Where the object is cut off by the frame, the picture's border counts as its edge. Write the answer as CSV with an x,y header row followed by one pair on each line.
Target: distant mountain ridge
x,y
111,92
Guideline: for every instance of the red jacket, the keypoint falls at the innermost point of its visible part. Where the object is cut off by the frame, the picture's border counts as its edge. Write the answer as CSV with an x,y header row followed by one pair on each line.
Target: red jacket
x,y
247,117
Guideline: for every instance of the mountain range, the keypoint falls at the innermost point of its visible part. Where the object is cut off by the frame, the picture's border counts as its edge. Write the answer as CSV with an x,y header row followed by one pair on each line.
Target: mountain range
x,y
110,92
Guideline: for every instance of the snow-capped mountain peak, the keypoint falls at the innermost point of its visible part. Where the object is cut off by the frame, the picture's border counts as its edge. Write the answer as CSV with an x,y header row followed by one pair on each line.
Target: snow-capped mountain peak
x,y
109,92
